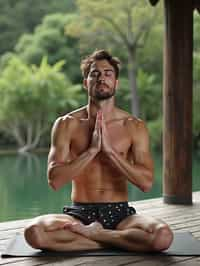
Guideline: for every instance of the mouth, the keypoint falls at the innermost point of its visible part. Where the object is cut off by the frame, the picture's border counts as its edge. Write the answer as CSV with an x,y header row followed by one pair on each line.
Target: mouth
x,y
102,86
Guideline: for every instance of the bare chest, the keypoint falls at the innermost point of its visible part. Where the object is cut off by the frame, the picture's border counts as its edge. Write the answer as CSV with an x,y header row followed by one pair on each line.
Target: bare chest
x,y
118,137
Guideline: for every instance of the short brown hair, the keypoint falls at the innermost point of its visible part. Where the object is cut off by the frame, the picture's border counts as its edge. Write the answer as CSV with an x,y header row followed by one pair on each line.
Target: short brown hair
x,y
99,55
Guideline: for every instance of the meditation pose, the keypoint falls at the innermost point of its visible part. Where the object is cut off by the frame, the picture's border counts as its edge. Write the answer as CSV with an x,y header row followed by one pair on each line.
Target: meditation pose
x,y
99,148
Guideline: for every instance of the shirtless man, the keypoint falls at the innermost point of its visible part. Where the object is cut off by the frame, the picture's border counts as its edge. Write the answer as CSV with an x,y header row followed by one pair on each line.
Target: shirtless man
x,y
99,148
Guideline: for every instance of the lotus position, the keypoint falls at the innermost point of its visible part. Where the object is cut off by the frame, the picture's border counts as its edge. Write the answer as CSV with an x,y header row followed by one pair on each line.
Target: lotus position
x,y
99,148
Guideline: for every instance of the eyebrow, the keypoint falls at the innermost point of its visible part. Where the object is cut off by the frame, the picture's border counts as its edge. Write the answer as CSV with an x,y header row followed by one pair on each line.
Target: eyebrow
x,y
105,70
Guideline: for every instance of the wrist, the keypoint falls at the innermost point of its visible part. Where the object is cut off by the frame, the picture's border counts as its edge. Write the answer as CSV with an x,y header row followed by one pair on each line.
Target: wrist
x,y
109,151
93,151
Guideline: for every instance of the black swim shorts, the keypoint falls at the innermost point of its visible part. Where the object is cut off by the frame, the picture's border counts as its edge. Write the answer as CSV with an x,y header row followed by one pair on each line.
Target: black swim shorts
x,y
108,214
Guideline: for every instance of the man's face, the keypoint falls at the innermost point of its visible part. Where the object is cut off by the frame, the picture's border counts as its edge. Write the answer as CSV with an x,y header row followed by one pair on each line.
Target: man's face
x,y
101,81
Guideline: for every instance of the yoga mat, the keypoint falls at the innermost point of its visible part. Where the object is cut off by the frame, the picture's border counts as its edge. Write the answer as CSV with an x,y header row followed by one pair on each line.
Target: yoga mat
x,y
184,244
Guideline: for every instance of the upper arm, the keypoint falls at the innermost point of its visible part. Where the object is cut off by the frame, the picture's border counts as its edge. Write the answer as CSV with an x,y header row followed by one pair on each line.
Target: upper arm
x,y
60,142
140,148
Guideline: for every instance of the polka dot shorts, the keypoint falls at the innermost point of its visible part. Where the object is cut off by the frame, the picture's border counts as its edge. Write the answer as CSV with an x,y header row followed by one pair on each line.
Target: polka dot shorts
x,y
108,214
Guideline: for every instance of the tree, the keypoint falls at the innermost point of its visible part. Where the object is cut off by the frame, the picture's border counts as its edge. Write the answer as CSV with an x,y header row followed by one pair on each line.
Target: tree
x,y
196,83
123,24
18,17
32,97
49,39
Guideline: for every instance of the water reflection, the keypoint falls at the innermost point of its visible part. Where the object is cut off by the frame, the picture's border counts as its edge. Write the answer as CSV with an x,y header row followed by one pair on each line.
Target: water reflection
x,y
29,163
24,190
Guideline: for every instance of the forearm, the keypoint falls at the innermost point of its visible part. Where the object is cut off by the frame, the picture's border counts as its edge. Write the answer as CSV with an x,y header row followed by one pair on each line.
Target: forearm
x,y
136,174
62,173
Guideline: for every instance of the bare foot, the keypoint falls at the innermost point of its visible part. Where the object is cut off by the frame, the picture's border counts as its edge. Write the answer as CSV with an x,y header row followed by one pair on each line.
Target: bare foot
x,y
88,231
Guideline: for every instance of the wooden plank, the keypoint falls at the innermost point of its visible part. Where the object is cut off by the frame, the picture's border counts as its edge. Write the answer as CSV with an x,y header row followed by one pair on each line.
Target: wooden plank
x,y
162,261
106,260
157,202
8,261
13,224
9,234
188,262
180,218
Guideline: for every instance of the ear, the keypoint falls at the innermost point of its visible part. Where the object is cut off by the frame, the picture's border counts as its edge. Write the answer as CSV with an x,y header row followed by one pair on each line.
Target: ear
x,y
116,84
85,84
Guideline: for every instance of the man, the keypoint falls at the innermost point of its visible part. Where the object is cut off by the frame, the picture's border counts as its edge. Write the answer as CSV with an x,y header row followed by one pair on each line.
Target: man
x,y
99,148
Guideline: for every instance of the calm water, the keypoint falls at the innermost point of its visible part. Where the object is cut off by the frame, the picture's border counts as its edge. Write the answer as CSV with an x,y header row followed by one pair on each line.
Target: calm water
x,y
24,192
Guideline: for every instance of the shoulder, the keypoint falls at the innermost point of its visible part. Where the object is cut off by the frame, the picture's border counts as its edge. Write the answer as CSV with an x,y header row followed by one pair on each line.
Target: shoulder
x,y
70,120
132,122
136,128
136,124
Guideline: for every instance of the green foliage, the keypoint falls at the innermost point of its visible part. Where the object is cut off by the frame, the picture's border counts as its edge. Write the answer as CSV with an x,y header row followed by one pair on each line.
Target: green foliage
x,y
155,132
67,30
18,17
33,95
118,25
123,97
150,56
150,93
151,104
196,78
111,24
50,39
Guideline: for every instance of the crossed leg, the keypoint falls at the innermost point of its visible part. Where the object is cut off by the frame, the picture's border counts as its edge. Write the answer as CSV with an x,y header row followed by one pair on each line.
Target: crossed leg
x,y
134,233
65,233
146,233
49,232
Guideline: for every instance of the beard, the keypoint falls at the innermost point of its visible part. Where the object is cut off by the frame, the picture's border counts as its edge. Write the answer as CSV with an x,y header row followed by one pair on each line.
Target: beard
x,y
104,95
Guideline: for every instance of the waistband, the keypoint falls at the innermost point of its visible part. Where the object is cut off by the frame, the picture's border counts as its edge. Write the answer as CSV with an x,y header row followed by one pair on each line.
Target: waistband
x,y
97,204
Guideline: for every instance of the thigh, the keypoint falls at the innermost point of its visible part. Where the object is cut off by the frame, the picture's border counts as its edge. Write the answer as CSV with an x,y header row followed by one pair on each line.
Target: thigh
x,y
55,220
146,223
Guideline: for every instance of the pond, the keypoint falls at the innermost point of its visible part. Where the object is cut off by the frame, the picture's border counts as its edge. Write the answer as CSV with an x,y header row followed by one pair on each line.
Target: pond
x,y
24,192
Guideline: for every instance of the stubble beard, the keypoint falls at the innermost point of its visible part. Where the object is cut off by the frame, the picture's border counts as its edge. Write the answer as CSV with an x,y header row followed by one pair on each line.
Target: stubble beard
x,y
102,95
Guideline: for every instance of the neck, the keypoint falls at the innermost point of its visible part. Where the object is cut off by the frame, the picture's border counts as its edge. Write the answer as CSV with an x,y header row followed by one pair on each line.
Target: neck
x,y
106,106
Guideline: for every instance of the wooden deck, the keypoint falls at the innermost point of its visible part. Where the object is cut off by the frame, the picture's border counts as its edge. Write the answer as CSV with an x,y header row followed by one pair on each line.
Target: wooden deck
x,y
180,218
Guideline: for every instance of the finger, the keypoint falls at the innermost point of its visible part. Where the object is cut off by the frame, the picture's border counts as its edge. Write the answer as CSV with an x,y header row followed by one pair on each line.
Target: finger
x,y
97,122
103,123
103,120
99,117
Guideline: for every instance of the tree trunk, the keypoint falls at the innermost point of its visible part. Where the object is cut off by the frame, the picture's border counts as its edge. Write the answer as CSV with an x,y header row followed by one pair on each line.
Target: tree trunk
x,y
133,83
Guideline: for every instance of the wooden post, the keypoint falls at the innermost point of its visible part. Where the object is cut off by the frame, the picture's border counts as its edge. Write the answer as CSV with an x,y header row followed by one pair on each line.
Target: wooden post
x,y
177,102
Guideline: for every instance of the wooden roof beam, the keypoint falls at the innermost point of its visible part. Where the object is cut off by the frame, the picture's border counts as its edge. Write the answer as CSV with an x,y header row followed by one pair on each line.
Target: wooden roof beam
x,y
197,5
153,2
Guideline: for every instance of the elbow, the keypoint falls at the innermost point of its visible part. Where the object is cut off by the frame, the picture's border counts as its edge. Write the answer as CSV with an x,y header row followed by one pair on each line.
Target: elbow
x,y
146,187
53,181
53,184
56,180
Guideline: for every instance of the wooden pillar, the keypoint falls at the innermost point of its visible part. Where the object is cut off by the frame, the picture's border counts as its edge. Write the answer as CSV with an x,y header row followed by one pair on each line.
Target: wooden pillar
x,y
177,102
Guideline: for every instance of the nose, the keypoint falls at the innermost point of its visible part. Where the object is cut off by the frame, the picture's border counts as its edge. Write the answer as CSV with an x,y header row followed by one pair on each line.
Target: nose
x,y
101,77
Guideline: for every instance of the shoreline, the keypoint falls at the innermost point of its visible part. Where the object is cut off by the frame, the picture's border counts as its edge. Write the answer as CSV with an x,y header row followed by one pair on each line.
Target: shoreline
x,y
4,151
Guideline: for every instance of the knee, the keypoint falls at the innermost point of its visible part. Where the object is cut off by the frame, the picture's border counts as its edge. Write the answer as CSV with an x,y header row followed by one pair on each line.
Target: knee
x,y
34,236
163,238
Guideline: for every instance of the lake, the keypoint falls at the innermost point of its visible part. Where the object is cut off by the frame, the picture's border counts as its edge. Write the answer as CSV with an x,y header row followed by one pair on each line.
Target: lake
x,y
24,192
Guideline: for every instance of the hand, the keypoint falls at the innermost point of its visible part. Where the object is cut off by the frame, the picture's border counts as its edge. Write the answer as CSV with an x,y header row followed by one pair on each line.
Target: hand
x,y
96,136
106,145
90,231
